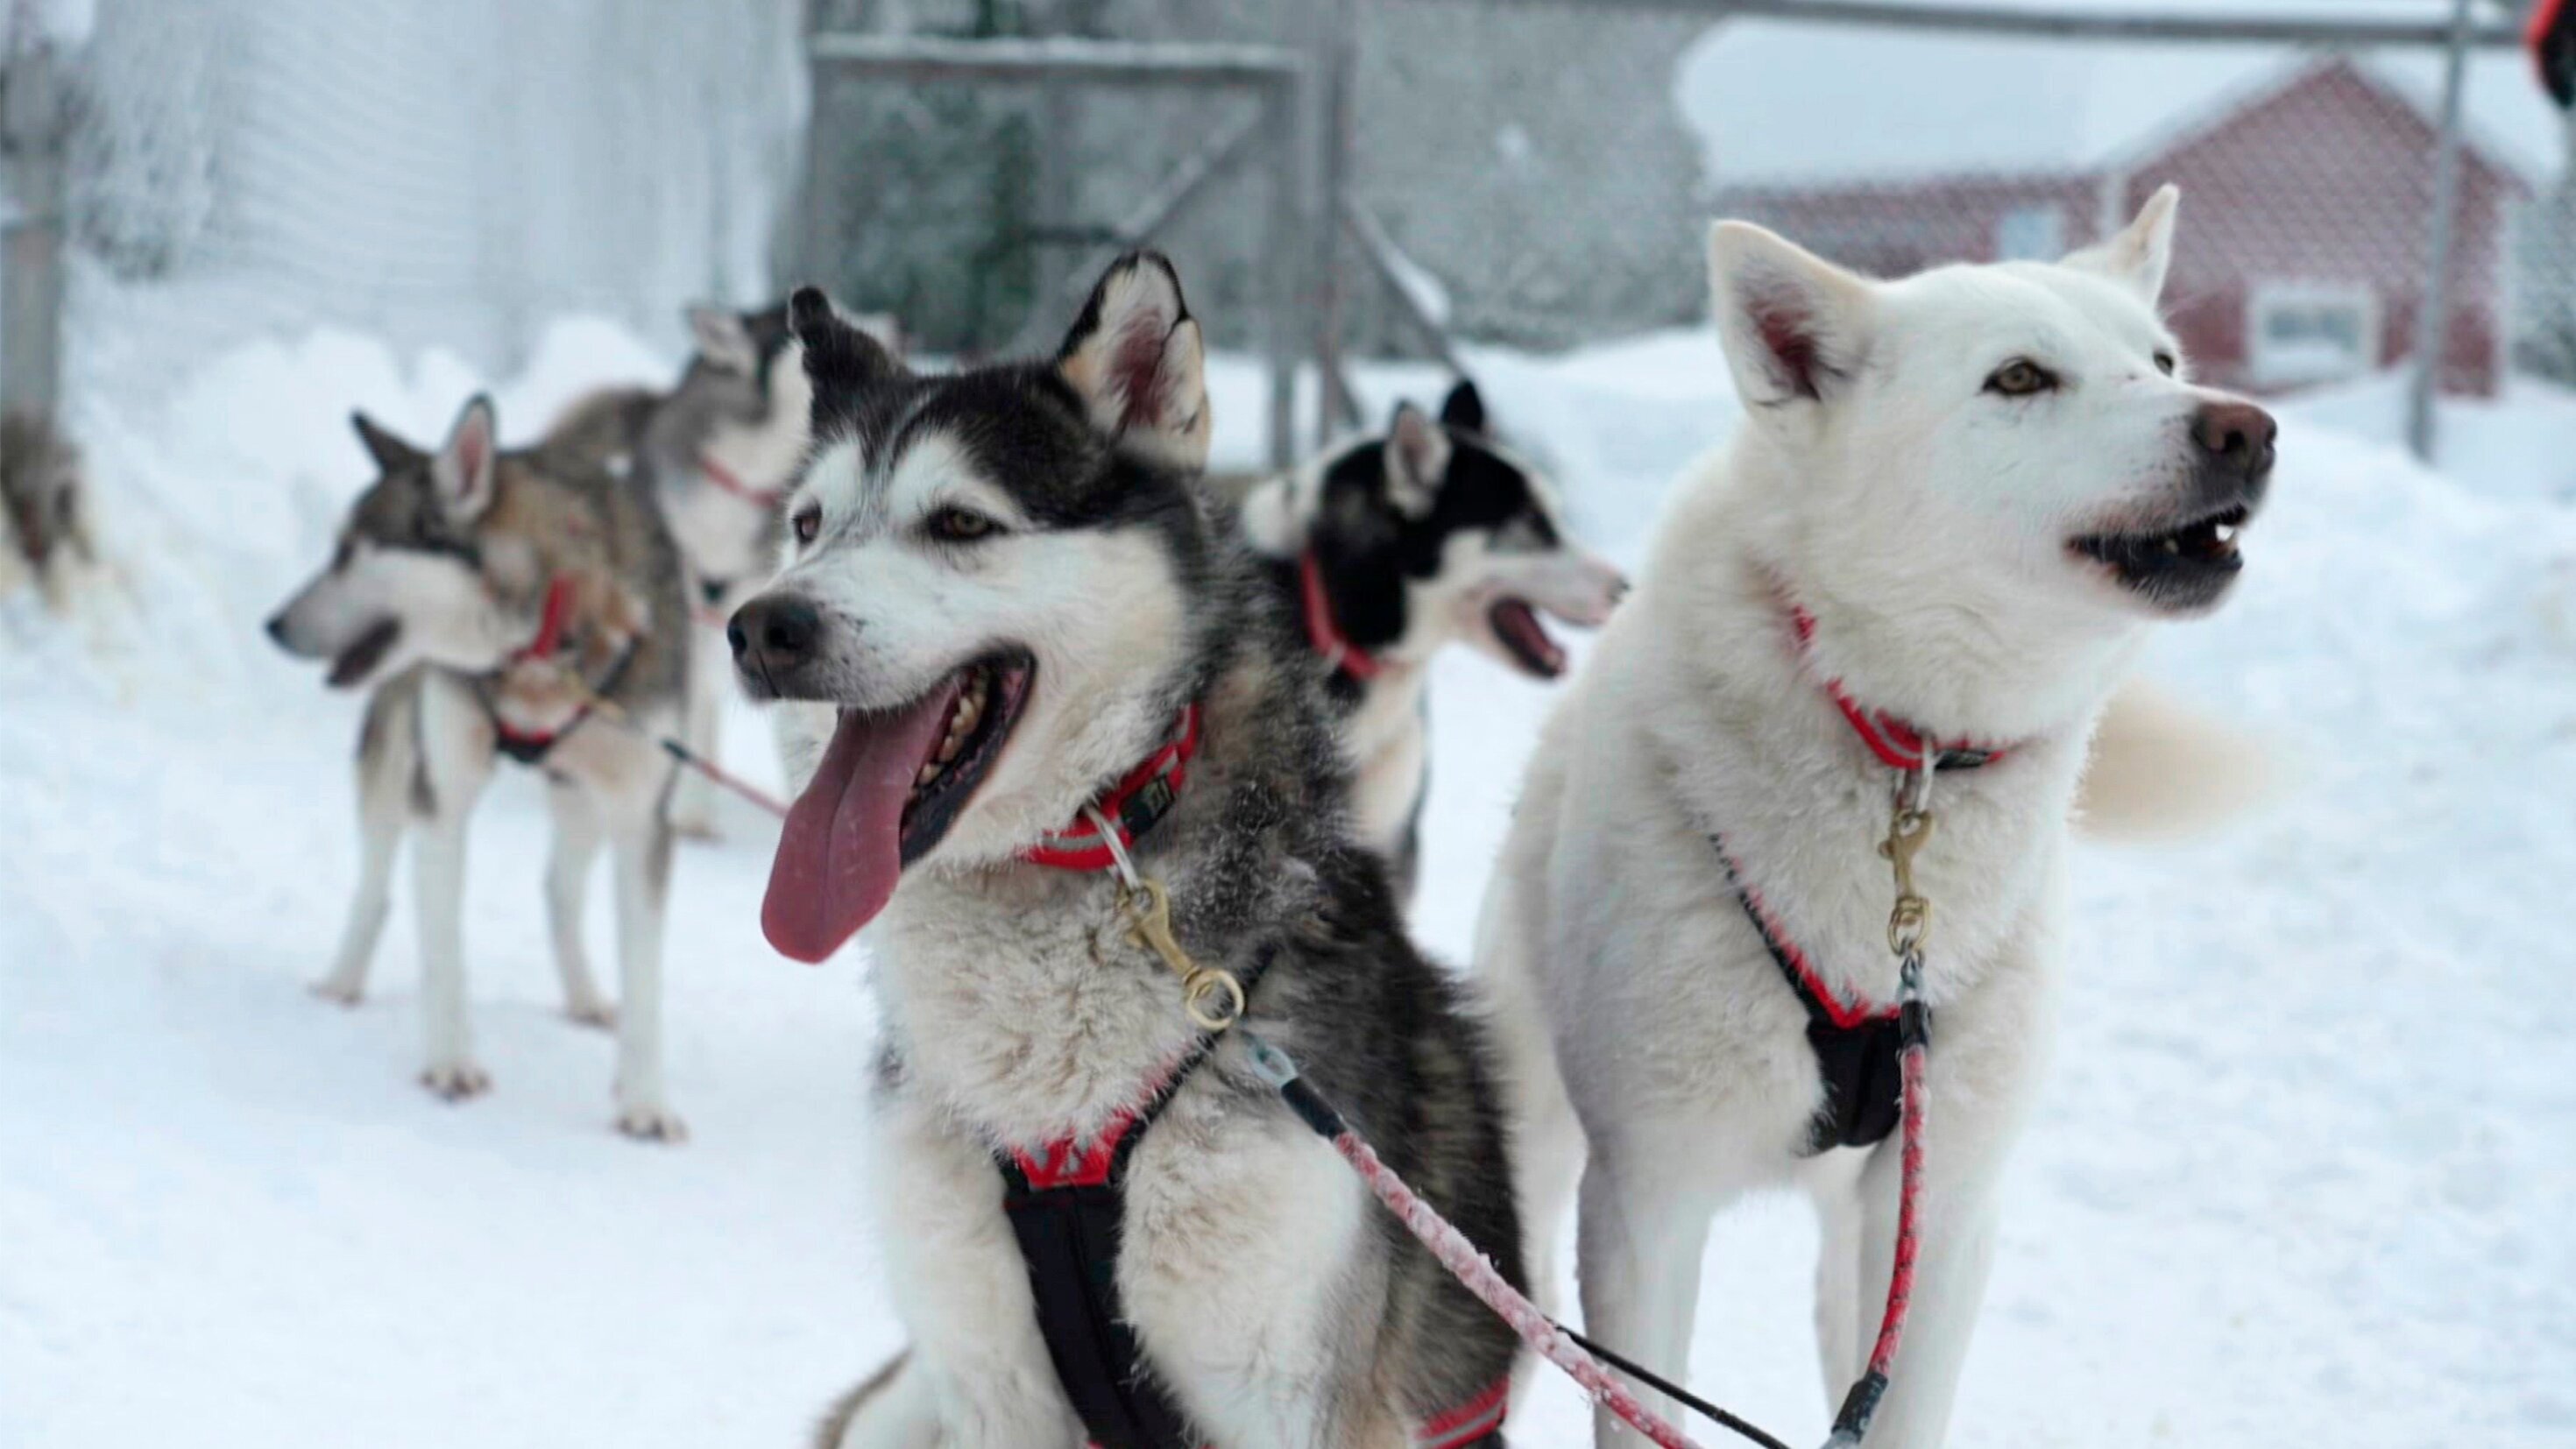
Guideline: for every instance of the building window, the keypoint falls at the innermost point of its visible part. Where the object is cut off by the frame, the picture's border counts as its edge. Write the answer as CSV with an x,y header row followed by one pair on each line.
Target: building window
x,y
2310,332
2031,234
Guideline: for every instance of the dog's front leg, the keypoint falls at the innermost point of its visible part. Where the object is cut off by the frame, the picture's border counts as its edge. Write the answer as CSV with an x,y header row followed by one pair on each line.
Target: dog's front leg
x,y
1649,1191
1245,1292
642,848
388,758
1983,1067
978,1375
693,799
576,849
456,756
892,1410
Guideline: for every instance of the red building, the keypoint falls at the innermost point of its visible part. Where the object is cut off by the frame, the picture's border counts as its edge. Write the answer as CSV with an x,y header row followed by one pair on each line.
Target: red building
x,y
2307,181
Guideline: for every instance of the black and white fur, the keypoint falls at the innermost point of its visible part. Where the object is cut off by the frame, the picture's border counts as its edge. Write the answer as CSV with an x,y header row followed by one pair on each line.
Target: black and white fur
x,y
1432,534
440,575
1986,484
1055,511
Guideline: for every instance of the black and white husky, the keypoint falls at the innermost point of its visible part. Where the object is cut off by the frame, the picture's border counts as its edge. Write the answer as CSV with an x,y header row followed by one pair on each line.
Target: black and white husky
x,y
1031,644
486,595
1957,507
1394,547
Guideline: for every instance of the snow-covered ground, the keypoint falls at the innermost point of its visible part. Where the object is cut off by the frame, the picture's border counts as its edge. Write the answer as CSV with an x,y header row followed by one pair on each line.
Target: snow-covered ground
x,y
2302,1173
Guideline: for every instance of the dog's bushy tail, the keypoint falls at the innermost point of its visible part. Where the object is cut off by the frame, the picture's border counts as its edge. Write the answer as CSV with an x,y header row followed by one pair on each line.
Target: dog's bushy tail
x,y
2161,770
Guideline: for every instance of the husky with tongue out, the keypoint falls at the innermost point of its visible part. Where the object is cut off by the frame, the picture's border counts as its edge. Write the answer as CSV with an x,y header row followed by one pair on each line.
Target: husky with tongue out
x,y
1029,645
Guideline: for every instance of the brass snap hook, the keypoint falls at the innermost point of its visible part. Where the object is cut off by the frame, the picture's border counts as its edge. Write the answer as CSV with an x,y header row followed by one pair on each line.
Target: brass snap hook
x,y
1211,997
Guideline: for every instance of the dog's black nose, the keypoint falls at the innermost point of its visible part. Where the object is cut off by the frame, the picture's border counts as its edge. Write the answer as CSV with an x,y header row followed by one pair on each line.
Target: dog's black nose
x,y
772,635
2236,435
276,629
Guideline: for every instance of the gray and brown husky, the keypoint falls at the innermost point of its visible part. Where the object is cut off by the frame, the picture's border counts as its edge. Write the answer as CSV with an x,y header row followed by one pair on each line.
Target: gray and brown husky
x,y
1004,590
508,602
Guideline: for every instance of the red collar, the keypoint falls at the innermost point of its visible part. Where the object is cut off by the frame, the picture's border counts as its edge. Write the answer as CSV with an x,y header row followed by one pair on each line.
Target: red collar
x,y
731,482
1897,744
1326,636
1132,806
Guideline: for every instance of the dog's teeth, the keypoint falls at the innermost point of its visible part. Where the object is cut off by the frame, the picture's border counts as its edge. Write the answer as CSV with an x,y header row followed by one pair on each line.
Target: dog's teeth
x,y
2173,545
929,772
2226,533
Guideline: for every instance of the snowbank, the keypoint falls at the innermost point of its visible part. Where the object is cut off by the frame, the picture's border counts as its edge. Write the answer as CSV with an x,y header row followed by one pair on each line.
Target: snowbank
x,y
2303,1160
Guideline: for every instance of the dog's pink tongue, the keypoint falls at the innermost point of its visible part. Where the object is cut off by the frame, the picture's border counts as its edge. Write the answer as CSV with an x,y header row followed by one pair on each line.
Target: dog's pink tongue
x,y
843,845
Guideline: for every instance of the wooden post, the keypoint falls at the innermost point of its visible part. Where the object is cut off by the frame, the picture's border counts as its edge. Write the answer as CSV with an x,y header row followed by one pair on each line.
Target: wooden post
x,y
31,272
1281,336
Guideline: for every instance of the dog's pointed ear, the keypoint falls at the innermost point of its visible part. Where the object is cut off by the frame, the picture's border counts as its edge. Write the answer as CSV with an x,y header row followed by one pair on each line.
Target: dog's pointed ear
x,y
464,470
2142,251
1417,460
1463,408
391,453
723,340
1793,325
1135,358
839,358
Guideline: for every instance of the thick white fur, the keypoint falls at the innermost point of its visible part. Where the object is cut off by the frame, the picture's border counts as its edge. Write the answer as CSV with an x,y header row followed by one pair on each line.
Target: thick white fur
x,y
1923,523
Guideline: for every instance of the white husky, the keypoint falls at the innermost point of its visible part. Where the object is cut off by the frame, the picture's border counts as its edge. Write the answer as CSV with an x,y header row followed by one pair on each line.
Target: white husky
x,y
1956,506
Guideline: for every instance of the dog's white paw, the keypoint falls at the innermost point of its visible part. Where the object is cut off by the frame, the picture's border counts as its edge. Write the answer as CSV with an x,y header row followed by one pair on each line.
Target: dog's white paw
x,y
652,1123
338,992
456,1081
595,1013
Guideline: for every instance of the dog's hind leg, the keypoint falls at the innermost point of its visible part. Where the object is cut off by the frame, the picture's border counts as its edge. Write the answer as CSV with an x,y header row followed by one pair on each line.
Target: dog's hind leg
x,y
641,846
388,761
576,849
892,1410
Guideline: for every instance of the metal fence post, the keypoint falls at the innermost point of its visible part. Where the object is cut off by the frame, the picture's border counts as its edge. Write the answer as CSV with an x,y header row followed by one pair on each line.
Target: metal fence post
x,y
1335,57
1281,256
2433,313
31,273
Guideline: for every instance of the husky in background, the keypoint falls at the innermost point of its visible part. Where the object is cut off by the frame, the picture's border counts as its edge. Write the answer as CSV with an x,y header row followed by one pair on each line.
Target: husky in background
x,y
492,593
44,508
1005,589
715,453
1392,548
1958,506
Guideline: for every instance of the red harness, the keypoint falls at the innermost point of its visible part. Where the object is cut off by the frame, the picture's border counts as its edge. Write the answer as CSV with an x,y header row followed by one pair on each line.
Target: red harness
x,y
1066,1198
1132,806
1325,635
521,745
726,480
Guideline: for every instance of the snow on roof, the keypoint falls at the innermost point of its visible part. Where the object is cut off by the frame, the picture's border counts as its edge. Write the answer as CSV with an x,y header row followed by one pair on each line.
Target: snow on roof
x,y
1783,102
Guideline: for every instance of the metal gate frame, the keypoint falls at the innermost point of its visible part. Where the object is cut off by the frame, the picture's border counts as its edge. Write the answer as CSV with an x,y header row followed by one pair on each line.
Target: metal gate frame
x,y
1276,79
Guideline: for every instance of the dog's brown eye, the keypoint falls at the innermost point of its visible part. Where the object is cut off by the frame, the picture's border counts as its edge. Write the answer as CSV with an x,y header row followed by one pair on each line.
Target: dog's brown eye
x,y
807,523
2021,377
2165,363
961,525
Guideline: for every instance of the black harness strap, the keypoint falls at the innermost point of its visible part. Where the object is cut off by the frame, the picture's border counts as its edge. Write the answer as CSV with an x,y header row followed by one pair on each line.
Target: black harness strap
x,y
1856,1050
1067,1202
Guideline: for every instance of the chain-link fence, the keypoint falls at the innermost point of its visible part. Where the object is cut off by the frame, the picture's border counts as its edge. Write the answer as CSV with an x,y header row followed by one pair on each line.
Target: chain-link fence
x,y
441,172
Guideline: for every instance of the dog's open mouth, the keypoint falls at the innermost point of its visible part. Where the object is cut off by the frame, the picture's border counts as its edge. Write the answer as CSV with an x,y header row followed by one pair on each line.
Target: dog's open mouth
x,y
358,662
891,784
1515,623
2179,568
